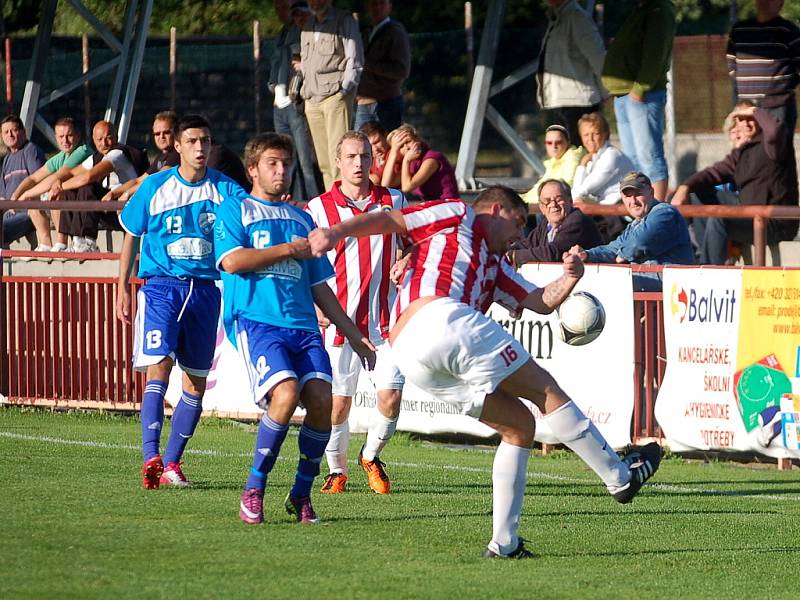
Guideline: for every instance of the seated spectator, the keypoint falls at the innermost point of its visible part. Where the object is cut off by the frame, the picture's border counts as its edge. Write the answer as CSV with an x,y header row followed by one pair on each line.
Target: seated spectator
x,y
23,159
71,154
563,227
423,172
164,138
562,162
764,171
380,149
110,166
658,235
601,168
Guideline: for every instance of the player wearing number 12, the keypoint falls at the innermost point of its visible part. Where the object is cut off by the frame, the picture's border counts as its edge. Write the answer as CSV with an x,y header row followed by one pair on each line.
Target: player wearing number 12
x,y
178,307
445,344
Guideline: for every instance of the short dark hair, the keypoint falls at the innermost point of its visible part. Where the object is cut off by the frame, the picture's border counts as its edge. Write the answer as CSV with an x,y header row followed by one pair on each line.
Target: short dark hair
x,y
13,119
510,199
190,122
371,127
265,141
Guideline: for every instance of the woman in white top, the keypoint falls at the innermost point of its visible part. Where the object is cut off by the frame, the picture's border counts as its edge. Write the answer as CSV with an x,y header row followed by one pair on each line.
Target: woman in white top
x,y
602,167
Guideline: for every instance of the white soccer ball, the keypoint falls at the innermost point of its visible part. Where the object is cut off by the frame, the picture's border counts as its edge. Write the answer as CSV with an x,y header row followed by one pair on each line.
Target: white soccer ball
x,y
581,319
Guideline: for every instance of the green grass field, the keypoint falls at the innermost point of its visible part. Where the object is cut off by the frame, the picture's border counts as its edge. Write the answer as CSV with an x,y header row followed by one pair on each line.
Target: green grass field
x,y
76,524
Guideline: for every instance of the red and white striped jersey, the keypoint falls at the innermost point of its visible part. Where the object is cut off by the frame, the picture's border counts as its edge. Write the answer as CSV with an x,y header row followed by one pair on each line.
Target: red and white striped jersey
x,y
362,282
450,257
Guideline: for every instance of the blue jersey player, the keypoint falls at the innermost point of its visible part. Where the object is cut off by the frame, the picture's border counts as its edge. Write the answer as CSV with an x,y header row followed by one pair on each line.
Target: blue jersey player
x,y
178,307
271,283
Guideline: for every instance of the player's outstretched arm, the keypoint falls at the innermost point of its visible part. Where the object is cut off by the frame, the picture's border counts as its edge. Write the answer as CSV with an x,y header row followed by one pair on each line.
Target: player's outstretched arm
x,y
129,248
545,300
325,299
374,223
245,260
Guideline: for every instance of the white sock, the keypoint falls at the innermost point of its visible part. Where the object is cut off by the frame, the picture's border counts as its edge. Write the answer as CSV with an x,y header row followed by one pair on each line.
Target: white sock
x,y
579,434
509,475
336,450
378,436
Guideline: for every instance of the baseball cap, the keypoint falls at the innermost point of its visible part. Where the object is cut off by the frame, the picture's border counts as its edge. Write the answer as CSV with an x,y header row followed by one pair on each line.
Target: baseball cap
x,y
635,180
299,5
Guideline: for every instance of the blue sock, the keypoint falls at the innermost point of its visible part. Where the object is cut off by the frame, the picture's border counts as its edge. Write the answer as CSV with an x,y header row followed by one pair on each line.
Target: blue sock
x,y
184,422
269,439
152,416
312,445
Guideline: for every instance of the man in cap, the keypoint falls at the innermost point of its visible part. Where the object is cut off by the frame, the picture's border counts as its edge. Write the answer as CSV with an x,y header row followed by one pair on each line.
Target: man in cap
x,y
657,235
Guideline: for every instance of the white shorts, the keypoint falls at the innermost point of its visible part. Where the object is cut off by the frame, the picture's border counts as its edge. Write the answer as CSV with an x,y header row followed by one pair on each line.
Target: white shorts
x,y
456,353
346,366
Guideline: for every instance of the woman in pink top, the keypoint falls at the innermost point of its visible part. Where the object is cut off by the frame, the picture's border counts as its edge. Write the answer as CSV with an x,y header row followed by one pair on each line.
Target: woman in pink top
x,y
424,172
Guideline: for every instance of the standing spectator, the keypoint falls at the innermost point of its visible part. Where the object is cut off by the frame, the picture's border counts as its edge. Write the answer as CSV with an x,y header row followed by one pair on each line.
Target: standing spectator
x,y
23,159
763,60
72,153
764,171
570,65
415,168
271,285
635,73
178,307
332,57
657,235
366,293
562,162
387,64
288,112
563,227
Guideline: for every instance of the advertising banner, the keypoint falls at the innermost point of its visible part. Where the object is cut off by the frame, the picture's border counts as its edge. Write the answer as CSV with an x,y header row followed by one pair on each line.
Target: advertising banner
x,y
733,360
598,376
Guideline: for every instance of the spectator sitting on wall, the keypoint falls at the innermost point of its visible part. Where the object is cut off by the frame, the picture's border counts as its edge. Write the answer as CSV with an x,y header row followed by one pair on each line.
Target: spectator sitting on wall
x,y
764,172
658,235
563,227
376,135
387,64
562,162
164,138
71,154
23,159
424,172
570,65
110,166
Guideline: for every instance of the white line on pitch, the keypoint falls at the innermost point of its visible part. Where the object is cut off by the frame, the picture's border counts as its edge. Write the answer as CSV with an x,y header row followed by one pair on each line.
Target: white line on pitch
x,y
535,475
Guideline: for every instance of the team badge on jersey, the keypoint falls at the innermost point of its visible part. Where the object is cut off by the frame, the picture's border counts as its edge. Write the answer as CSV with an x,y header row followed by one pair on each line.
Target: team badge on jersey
x,y
206,221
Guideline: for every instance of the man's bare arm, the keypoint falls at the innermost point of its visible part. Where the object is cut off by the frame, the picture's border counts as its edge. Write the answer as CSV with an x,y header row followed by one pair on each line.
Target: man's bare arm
x,y
245,260
545,300
374,223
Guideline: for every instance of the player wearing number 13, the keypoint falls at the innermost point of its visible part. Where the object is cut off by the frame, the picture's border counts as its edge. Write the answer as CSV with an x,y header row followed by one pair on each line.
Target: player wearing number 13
x,y
445,344
178,307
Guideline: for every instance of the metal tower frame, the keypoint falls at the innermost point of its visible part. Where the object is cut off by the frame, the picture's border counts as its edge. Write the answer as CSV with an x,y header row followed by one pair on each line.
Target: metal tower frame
x,y
127,62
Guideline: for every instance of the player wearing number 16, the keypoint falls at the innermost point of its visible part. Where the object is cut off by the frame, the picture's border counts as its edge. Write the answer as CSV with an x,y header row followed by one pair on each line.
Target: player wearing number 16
x,y
173,213
445,344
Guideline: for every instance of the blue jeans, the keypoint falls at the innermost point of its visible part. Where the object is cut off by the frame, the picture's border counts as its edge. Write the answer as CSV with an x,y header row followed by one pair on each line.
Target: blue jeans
x,y
292,122
389,113
16,226
641,130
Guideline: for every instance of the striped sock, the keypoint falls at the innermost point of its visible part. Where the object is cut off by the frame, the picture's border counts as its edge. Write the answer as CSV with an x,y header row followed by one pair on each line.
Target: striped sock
x,y
269,439
312,446
152,416
184,422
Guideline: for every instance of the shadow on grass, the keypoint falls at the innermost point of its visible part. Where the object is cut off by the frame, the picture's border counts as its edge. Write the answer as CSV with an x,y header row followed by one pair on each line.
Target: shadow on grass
x,y
672,551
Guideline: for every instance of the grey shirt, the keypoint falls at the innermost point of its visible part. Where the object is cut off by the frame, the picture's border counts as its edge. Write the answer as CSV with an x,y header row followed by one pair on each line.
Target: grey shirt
x,y
18,165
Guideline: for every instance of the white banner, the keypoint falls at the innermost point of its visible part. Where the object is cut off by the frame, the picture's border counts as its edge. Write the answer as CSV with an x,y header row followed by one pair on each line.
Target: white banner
x,y
598,376
733,360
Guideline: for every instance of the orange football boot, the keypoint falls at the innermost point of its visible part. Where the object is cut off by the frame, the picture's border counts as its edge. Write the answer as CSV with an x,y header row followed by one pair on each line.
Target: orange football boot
x,y
335,483
376,474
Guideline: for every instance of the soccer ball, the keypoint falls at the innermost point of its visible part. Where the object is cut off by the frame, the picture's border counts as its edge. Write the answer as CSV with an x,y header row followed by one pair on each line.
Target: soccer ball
x,y
581,319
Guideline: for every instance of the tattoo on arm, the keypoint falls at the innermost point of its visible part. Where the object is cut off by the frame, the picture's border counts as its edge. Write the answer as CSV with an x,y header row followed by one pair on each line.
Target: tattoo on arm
x,y
557,291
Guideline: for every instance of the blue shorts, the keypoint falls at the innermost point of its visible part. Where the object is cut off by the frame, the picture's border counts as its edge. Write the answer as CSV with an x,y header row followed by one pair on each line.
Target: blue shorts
x,y
177,318
273,354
